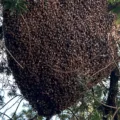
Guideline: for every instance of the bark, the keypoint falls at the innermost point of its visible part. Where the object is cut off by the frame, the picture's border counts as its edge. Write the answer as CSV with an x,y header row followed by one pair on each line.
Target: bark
x,y
112,95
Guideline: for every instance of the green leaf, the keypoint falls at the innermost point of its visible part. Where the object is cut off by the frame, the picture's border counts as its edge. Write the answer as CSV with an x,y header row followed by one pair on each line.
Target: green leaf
x,y
96,116
15,6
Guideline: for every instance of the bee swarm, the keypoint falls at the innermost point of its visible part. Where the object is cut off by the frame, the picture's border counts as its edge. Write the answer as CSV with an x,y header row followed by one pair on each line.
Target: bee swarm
x,y
58,50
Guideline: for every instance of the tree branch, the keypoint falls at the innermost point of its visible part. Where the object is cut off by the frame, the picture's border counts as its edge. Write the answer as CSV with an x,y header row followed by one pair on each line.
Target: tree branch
x,y
112,95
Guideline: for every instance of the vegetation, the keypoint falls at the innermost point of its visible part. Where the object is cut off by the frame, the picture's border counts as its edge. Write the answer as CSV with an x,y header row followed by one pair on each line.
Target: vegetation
x,y
114,6
96,104
15,6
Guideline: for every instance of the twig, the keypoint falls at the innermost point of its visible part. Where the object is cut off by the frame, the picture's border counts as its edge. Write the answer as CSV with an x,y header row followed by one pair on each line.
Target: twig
x,y
105,104
73,114
8,102
13,57
102,69
17,107
115,113
12,105
6,115
102,102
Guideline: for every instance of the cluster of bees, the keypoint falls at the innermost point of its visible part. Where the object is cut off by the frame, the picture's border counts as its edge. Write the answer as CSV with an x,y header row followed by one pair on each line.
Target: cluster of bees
x,y
58,50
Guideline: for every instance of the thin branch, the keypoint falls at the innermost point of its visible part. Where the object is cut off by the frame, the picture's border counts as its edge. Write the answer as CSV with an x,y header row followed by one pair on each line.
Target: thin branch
x,y
102,69
8,102
73,114
17,107
103,103
6,115
115,113
12,105
13,57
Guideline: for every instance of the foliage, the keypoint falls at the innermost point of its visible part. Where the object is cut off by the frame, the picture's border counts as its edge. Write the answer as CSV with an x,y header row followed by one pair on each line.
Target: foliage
x,y
113,1
15,6
90,106
115,8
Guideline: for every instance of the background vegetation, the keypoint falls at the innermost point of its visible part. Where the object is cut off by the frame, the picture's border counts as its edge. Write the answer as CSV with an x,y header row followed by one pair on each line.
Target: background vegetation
x,y
96,104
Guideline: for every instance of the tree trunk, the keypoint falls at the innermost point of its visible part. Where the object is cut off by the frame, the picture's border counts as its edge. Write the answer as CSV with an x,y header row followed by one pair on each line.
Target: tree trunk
x,y
112,95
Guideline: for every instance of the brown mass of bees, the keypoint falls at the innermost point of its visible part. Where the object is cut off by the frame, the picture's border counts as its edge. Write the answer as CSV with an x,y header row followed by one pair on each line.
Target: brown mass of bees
x,y
58,50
